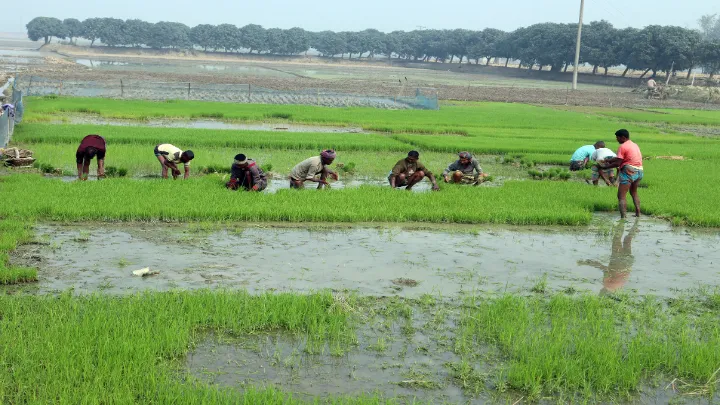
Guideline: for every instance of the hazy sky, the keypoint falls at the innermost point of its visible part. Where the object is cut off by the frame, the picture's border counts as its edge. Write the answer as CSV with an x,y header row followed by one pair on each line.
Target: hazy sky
x,y
385,15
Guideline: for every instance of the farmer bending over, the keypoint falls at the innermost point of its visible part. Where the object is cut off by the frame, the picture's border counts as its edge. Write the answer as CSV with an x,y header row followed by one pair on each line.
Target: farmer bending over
x,y
90,147
465,170
601,156
169,157
245,174
308,169
629,160
409,171
580,158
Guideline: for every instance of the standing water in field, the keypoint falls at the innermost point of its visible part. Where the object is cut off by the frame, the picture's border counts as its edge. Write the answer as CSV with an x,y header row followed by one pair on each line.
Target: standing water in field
x,y
608,256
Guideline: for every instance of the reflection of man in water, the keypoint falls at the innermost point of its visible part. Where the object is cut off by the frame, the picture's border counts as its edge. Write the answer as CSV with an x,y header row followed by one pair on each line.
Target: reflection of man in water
x,y
617,272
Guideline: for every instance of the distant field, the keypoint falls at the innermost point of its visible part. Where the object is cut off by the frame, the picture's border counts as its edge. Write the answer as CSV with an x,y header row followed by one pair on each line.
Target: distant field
x,y
668,116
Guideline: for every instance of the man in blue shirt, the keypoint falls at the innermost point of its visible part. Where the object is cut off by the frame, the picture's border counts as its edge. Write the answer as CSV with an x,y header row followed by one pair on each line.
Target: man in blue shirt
x,y
581,156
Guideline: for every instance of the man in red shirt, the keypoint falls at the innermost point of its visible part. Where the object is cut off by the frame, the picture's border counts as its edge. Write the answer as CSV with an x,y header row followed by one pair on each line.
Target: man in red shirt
x,y
90,147
629,160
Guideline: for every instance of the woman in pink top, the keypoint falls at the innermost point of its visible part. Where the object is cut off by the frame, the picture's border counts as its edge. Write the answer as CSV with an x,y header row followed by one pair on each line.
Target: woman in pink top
x,y
629,160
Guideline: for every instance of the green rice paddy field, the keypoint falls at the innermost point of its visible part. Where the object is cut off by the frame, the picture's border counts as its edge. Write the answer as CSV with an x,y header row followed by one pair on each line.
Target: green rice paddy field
x,y
557,347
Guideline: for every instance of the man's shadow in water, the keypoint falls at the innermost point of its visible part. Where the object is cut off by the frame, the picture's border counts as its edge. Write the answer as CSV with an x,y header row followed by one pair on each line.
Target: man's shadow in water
x,y
617,272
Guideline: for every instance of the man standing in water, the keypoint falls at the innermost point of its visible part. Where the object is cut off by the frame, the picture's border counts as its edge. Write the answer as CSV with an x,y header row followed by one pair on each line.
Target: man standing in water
x,y
311,167
169,157
409,171
465,170
245,174
629,160
91,146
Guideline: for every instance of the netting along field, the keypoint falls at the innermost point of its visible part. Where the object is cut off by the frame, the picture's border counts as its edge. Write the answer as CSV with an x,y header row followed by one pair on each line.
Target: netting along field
x,y
403,97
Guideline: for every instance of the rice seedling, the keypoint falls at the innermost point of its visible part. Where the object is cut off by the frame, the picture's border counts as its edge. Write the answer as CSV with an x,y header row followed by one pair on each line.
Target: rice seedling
x,y
142,340
450,119
590,348
554,173
112,171
669,116
207,199
199,138
12,233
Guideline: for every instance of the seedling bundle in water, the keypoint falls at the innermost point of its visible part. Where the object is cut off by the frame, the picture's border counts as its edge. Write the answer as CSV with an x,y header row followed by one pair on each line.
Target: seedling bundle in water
x,y
554,173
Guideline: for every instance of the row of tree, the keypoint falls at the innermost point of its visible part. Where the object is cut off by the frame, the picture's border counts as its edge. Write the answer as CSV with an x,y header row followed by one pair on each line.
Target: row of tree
x,y
651,49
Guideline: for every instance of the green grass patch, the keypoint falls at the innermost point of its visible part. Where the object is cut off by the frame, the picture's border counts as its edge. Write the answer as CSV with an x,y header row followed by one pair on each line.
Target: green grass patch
x,y
131,349
206,198
667,116
691,148
199,138
13,233
449,119
588,348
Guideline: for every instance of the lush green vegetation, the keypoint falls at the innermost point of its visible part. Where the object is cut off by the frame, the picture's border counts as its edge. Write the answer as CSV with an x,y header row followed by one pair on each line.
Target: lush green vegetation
x,y
99,349
591,347
667,116
668,194
461,118
548,144
527,135
565,348
139,162
562,347
12,233
198,138
32,196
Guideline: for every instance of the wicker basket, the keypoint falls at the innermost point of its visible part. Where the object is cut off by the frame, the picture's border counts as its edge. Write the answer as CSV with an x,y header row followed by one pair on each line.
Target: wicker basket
x,y
20,162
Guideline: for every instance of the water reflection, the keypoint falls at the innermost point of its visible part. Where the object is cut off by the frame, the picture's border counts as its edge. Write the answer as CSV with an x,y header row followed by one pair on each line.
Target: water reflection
x,y
618,269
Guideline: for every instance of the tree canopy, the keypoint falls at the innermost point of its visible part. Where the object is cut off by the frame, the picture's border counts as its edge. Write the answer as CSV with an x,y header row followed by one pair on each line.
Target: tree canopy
x,y
651,49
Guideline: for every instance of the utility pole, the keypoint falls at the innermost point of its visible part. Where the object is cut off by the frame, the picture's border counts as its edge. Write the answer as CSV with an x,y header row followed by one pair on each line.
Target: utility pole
x,y
577,46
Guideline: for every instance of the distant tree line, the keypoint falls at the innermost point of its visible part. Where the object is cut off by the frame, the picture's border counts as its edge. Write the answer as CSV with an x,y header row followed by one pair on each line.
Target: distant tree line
x,y
653,49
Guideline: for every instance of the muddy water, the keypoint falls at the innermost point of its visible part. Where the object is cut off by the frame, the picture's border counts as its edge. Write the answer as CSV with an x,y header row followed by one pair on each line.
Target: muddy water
x,y
645,257
399,371
213,124
415,367
280,183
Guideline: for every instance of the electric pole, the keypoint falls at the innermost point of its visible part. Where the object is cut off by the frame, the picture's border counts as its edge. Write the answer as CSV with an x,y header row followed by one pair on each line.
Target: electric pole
x,y
577,47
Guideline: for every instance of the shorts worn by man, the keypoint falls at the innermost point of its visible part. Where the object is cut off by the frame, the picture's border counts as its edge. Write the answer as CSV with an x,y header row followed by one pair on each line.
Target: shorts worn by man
x,y
90,147
409,171
310,168
170,156
601,157
465,170
580,158
629,160
245,174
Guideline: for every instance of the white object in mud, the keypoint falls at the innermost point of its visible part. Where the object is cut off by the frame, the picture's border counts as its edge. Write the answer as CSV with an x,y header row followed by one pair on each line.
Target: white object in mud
x,y
145,272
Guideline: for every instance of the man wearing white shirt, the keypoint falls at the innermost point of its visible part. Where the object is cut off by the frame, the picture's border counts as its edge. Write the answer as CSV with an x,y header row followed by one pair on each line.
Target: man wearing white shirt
x,y
600,157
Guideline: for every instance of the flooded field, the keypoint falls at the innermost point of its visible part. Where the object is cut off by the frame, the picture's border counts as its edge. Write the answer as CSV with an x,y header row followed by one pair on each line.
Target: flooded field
x,y
410,360
184,67
211,124
647,256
